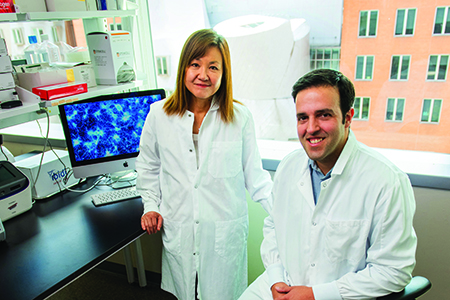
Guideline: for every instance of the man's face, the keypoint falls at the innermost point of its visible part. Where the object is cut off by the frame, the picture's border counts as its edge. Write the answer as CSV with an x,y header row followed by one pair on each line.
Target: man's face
x,y
319,125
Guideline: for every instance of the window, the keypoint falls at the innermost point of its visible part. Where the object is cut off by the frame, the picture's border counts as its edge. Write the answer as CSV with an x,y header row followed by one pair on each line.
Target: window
x,y
400,67
406,19
394,109
431,110
364,67
368,20
437,67
162,63
361,107
442,21
18,36
325,58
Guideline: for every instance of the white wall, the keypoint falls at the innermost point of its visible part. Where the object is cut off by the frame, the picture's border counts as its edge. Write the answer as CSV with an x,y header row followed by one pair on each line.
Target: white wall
x,y
172,22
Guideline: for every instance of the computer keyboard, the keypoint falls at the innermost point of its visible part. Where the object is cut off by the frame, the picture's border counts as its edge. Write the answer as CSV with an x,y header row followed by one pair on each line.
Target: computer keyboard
x,y
114,196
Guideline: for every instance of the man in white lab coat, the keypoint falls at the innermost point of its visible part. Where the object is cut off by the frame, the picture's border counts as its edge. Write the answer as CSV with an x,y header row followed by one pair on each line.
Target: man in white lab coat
x,y
341,222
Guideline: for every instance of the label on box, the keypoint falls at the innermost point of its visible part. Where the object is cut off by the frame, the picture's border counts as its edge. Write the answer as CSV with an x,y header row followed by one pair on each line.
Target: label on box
x,y
56,91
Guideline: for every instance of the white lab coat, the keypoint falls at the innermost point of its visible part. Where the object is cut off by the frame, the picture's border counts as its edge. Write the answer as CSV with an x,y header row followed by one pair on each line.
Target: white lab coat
x,y
205,210
357,243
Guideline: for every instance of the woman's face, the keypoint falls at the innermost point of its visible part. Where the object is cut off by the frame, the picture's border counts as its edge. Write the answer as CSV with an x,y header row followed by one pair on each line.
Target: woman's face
x,y
204,74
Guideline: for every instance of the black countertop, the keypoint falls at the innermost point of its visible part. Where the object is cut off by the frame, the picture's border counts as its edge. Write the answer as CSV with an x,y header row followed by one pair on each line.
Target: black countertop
x,y
61,238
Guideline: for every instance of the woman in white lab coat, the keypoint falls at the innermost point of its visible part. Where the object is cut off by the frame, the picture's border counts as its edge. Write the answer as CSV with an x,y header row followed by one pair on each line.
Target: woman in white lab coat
x,y
198,156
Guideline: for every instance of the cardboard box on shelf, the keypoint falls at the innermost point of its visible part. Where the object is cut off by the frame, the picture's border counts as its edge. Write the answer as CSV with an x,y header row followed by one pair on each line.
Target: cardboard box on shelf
x,y
23,6
82,73
66,5
30,80
112,56
31,76
55,91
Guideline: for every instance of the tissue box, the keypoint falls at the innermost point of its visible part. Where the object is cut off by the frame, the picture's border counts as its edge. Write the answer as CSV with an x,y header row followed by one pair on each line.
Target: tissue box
x,y
66,5
82,73
55,91
112,56
52,173
23,6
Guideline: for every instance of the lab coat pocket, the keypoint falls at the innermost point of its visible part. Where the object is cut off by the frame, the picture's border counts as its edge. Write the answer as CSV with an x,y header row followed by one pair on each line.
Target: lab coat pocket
x,y
225,159
171,236
346,240
231,237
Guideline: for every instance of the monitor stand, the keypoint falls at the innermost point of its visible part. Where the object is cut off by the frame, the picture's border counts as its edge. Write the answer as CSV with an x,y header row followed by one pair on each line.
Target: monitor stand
x,y
123,179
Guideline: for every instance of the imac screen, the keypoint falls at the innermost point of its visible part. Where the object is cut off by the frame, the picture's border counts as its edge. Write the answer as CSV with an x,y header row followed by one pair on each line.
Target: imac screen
x,y
103,133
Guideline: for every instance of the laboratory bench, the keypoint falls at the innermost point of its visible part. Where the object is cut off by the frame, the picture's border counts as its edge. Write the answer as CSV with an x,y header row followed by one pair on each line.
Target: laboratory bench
x,y
63,237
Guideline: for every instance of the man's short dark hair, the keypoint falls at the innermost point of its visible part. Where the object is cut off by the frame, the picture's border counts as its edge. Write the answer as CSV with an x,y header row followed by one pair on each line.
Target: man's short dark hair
x,y
328,77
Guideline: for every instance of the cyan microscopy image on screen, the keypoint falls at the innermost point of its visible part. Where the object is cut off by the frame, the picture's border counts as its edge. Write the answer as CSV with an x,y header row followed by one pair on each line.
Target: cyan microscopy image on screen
x,y
107,128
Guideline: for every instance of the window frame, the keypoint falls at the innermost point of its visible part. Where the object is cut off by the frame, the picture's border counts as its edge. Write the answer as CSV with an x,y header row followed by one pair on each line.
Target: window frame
x,y
445,17
361,108
367,35
438,64
430,114
405,22
314,60
364,68
395,110
399,70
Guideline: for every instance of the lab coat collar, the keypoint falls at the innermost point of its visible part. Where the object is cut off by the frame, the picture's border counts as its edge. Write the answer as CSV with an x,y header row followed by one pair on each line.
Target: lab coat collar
x,y
346,153
214,104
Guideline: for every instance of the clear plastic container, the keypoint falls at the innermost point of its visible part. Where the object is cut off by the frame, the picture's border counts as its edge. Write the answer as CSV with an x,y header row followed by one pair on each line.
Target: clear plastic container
x,y
30,51
47,51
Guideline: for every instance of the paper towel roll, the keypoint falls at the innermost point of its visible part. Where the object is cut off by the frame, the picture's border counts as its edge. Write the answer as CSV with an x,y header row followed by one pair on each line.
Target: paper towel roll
x,y
260,49
265,57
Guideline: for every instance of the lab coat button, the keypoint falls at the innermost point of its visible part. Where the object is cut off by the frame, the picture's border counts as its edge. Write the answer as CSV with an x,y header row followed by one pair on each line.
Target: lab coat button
x,y
313,265
314,223
301,183
190,150
197,222
324,185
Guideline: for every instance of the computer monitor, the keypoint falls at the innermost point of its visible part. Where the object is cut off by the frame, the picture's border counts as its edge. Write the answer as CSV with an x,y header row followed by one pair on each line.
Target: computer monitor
x,y
103,133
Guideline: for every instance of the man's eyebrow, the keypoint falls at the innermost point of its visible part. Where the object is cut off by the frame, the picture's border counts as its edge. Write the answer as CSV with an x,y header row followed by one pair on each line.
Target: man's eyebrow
x,y
317,112
326,110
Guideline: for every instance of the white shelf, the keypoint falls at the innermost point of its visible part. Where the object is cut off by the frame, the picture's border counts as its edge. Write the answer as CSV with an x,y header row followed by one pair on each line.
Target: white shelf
x,y
93,92
70,15
31,111
64,15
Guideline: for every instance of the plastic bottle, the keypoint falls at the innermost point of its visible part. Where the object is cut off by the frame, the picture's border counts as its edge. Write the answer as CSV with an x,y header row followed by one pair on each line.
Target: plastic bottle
x,y
47,51
31,51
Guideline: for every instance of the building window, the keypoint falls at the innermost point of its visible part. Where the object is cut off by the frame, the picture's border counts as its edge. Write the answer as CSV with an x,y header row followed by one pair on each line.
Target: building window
x,y
406,20
325,58
364,67
442,21
400,67
394,109
368,20
437,67
361,107
431,110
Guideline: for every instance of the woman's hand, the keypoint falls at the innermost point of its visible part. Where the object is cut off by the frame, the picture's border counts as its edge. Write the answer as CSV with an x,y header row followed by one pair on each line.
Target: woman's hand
x,y
151,222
